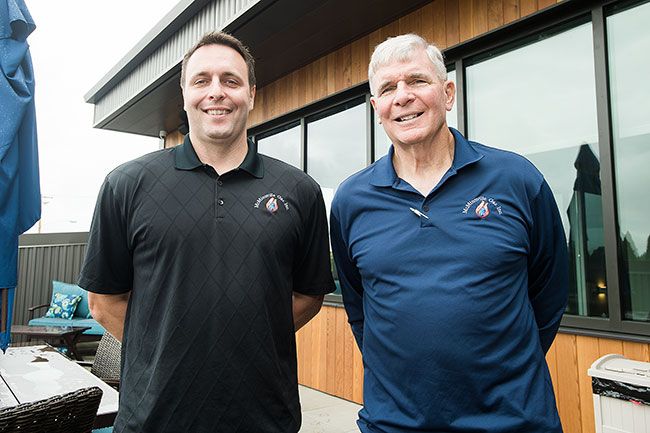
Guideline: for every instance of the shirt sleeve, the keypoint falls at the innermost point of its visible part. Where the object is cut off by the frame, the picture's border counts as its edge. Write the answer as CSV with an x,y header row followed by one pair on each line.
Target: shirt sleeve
x,y
548,266
348,275
312,271
108,266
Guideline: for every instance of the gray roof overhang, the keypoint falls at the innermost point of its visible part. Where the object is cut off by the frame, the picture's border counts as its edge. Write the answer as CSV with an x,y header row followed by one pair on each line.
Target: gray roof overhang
x,y
283,35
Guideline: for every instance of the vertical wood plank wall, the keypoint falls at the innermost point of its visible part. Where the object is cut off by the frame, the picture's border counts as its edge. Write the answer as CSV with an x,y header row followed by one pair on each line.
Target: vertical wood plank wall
x,y
328,360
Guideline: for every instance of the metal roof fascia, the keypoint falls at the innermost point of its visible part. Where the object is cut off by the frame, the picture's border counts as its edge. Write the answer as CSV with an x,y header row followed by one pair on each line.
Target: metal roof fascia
x,y
167,26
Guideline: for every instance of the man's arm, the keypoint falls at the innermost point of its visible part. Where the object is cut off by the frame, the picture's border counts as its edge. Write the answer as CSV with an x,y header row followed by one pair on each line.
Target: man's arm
x,y
305,307
110,311
548,266
348,275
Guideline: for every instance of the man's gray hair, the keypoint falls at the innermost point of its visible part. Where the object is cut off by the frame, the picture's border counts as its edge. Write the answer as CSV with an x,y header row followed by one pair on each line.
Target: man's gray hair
x,y
400,49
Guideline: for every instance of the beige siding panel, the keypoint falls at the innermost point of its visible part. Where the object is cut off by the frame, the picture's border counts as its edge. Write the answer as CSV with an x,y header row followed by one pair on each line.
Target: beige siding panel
x,y
438,23
494,14
465,11
545,3
510,11
588,352
359,57
479,17
567,376
412,23
528,7
452,23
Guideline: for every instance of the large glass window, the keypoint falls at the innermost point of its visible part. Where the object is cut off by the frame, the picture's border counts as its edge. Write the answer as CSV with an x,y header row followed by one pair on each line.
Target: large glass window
x,y
629,70
283,144
336,146
382,142
539,101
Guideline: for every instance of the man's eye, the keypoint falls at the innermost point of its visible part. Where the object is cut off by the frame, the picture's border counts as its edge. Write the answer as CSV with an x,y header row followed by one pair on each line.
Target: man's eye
x,y
200,82
232,83
386,90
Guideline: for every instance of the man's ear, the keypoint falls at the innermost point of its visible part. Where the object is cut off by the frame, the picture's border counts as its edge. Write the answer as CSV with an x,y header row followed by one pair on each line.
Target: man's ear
x,y
251,101
450,94
373,102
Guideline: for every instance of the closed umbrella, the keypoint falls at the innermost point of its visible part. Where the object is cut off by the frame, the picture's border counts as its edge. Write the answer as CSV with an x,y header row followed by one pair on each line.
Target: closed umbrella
x,y
20,202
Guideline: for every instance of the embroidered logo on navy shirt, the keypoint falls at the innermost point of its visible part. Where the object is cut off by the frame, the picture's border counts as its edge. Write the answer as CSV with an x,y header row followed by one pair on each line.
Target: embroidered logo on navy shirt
x,y
482,209
271,202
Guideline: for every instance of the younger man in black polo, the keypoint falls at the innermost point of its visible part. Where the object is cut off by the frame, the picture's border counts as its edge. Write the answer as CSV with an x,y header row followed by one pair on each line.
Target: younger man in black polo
x,y
207,257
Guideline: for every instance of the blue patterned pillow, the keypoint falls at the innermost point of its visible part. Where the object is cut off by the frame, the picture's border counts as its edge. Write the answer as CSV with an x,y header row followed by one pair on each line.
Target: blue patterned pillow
x,y
63,306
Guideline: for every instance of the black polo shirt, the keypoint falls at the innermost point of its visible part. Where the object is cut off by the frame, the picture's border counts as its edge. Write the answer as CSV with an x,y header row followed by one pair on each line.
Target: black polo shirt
x,y
212,262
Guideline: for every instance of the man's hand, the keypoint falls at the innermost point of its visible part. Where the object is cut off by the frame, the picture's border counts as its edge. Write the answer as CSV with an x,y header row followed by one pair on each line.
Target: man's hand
x,y
110,311
305,307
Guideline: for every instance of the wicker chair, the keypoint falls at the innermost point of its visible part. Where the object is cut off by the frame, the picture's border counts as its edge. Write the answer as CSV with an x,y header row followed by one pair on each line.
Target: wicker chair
x,y
73,412
106,365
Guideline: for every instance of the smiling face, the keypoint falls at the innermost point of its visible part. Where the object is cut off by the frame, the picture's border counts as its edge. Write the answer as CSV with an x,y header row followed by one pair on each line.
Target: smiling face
x,y
217,96
410,101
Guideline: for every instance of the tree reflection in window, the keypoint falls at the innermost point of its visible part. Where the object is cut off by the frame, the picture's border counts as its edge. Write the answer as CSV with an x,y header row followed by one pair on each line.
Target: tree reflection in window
x,y
546,110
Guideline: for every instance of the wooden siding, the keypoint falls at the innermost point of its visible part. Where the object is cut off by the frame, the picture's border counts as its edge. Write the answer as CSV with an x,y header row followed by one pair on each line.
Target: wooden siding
x,y
444,22
329,360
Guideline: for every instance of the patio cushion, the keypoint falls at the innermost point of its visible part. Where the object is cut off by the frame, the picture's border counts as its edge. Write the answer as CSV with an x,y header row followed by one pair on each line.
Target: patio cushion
x,y
96,328
62,306
83,310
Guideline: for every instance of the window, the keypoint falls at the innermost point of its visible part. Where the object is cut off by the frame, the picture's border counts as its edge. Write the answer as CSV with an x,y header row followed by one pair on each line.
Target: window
x,y
336,145
283,144
539,100
629,45
382,142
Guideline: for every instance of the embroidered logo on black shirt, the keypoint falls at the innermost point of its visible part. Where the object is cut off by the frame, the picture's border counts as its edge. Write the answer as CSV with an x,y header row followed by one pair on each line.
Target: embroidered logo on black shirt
x,y
272,202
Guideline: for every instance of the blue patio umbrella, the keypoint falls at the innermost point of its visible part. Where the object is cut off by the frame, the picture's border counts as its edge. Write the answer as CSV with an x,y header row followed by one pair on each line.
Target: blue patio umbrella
x,y
20,196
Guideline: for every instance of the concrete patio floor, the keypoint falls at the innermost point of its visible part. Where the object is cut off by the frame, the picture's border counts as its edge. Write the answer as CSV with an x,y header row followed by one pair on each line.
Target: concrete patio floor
x,y
323,413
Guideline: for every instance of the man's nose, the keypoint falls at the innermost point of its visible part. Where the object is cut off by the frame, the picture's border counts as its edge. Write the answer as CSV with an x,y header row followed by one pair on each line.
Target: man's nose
x,y
216,90
403,94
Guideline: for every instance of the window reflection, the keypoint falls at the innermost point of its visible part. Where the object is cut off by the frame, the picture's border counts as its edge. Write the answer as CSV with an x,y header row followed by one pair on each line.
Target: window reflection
x,y
629,45
539,101
283,145
336,147
382,142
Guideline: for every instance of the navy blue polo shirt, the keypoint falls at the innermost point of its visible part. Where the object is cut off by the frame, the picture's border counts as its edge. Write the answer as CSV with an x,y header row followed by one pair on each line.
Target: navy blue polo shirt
x,y
455,297
212,262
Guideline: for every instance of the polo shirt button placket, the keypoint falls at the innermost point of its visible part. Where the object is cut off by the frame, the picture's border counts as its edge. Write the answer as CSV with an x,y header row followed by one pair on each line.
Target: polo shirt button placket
x,y
426,222
219,199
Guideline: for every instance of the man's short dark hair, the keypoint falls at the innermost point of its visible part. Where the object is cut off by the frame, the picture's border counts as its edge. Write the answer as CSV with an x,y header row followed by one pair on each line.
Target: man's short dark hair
x,y
222,38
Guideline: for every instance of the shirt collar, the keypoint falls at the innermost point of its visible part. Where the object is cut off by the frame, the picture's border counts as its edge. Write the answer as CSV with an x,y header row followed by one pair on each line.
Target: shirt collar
x,y
465,153
187,159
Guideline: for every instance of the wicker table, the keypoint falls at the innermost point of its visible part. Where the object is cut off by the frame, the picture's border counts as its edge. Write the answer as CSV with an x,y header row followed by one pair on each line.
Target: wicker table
x,y
68,335
32,373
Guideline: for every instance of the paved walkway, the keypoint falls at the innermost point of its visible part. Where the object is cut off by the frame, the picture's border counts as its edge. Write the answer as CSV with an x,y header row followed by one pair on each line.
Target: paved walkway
x,y
323,413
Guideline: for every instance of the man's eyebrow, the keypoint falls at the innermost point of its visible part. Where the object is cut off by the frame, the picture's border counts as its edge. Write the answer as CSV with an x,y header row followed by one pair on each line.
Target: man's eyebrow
x,y
230,74
384,84
411,76
198,74
418,75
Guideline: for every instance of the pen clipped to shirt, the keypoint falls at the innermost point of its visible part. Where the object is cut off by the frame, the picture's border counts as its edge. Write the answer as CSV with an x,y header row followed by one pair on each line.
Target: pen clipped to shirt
x,y
418,213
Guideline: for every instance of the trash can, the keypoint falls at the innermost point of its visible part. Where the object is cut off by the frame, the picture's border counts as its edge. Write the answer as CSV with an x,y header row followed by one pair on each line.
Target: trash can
x,y
621,390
